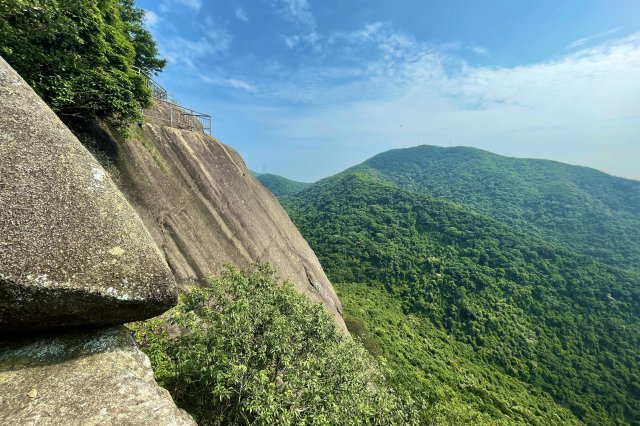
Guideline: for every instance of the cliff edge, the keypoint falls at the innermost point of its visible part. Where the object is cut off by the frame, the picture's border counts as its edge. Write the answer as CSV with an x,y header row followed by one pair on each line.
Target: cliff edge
x,y
73,253
205,209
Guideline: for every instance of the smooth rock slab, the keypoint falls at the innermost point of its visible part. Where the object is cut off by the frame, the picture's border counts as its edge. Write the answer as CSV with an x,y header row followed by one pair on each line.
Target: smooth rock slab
x,y
83,378
206,210
72,249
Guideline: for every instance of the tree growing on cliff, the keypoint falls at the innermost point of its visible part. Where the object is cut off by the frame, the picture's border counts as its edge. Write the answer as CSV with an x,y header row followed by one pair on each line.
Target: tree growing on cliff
x,y
145,46
79,55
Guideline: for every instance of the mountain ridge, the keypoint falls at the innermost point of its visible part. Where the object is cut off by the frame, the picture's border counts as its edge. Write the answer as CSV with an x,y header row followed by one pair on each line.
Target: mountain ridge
x,y
545,197
280,185
540,309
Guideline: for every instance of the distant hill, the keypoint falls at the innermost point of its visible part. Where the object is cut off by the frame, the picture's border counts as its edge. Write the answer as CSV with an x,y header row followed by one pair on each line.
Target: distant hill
x,y
593,212
481,280
280,186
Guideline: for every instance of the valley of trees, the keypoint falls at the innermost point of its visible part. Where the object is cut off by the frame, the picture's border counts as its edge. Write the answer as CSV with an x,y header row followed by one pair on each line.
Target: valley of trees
x,y
505,298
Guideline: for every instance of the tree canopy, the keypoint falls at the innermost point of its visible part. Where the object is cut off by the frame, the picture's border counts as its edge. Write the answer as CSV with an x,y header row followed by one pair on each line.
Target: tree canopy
x,y
79,55
507,311
279,185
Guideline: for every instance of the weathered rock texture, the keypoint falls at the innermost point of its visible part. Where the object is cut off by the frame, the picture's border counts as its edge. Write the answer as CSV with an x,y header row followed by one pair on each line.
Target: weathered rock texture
x,y
82,378
72,250
204,209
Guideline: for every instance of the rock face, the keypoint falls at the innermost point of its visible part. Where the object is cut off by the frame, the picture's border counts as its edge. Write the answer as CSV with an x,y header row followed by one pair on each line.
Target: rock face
x,y
204,209
72,250
82,378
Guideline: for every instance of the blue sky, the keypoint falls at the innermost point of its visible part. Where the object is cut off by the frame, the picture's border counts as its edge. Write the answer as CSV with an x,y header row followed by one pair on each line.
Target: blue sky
x,y
307,88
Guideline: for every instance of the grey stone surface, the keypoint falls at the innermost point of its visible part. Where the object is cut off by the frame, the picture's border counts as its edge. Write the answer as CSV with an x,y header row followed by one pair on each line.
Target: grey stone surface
x,y
205,209
72,250
82,378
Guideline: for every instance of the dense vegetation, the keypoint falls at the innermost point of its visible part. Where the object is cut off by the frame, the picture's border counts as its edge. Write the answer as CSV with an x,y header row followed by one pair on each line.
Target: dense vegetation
x,y
279,185
252,350
457,386
587,210
520,310
79,55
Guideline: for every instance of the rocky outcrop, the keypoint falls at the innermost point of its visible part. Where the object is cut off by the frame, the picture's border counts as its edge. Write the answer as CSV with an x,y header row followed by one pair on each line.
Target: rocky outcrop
x,y
82,378
72,249
73,252
204,209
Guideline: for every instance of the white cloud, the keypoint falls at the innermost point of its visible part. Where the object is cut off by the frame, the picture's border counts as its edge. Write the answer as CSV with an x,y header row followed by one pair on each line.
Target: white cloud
x,y
312,40
593,81
585,40
480,51
370,41
292,41
181,50
189,52
242,15
387,90
219,38
241,84
166,6
151,19
295,11
192,4
233,83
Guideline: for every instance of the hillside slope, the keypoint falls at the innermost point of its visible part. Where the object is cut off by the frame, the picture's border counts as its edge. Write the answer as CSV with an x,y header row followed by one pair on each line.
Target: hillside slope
x,y
508,304
590,211
280,186
205,209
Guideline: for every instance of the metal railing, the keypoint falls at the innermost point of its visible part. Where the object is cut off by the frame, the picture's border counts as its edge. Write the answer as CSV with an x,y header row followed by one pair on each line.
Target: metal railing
x,y
174,115
171,113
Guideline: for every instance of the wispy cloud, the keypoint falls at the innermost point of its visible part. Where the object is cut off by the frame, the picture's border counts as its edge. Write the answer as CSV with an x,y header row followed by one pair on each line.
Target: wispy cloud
x,y
585,40
313,40
179,50
241,84
233,83
193,4
384,89
480,51
241,15
218,37
295,11
151,19
167,5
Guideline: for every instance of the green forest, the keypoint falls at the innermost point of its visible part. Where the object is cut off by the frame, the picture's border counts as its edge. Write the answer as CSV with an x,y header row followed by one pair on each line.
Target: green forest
x,y
279,185
513,302
480,289
82,56
587,210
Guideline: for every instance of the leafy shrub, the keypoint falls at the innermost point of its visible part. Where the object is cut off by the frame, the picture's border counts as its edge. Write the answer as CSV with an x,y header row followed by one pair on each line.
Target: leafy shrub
x,y
252,350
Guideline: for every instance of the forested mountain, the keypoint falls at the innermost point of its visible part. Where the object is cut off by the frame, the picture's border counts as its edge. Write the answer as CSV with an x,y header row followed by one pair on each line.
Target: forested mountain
x,y
595,213
279,185
479,303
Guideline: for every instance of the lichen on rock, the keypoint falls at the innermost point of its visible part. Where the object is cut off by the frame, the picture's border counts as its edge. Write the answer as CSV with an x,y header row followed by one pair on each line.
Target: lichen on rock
x,y
72,250
82,378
